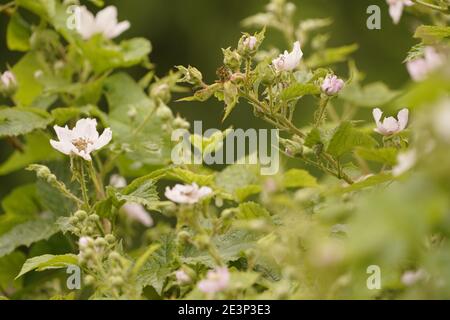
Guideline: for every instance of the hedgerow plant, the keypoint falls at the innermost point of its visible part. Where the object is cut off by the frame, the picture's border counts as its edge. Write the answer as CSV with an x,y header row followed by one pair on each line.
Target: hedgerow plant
x,y
365,213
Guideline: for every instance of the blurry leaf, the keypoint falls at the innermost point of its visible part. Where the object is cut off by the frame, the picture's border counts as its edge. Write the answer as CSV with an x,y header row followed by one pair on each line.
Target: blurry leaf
x,y
48,261
10,266
297,178
132,119
382,155
22,201
367,183
237,176
18,121
247,191
63,115
346,138
298,90
432,34
36,149
424,93
331,56
204,94
252,210
243,280
44,8
143,258
18,33
230,92
372,95
29,88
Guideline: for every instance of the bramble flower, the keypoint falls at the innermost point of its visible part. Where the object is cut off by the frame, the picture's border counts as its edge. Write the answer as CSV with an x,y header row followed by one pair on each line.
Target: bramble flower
x,y
332,85
82,140
390,125
8,79
420,68
117,181
215,281
187,194
250,42
137,212
85,242
396,8
182,277
405,161
104,23
411,277
288,61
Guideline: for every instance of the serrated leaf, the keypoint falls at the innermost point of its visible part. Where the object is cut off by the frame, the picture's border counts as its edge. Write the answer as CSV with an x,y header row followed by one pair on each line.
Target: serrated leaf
x,y
298,90
18,33
145,194
346,138
297,178
44,8
247,191
374,94
252,210
18,121
432,34
48,261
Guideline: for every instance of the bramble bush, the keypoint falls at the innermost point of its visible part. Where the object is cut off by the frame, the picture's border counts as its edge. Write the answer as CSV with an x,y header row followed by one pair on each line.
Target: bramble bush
x,y
114,214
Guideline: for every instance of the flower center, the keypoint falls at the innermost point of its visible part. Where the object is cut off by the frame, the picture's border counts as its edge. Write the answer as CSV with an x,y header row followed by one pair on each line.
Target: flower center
x,y
81,143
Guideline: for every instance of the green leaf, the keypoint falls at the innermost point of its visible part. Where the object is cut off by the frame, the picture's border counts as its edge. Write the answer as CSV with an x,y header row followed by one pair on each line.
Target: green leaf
x,y
10,266
18,33
371,181
43,8
18,121
29,88
298,90
27,233
145,194
237,176
22,201
297,178
251,211
374,94
159,266
243,280
331,56
247,191
143,258
36,149
48,261
382,155
230,93
432,34
139,133
204,94
346,138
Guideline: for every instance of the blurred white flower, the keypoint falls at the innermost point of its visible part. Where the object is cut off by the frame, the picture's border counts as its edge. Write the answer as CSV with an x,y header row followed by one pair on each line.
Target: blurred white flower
x,y
332,85
441,120
411,277
85,242
288,61
104,23
187,194
82,139
8,79
117,181
405,161
182,277
215,281
250,42
390,125
396,8
137,212
420,68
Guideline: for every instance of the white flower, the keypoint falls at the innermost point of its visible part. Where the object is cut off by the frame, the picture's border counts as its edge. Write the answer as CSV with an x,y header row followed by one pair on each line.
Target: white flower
x,y
396,8
332,85
104,23
250,42
85,242
405,161
420,68
441,120
187,194
215,281
117,181
8,79
411,277
137,212
82,139
182,277
390,125
288,61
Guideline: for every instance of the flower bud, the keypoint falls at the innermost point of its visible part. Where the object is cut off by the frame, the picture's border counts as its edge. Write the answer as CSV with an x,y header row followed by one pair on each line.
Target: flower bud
x,y
232,59
110,238
8,83
85,242
164,112
94,218
115,256
161,91
191,75
332,85
89,280
81,215
180,123
73,220
100,242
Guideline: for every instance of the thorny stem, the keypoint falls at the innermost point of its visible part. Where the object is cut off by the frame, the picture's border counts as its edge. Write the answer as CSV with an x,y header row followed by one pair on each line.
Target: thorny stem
x,y
98,184
83,186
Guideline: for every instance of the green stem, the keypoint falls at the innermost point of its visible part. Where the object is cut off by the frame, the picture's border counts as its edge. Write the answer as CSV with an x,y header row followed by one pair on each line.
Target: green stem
x,y
431,6
98,184
83,186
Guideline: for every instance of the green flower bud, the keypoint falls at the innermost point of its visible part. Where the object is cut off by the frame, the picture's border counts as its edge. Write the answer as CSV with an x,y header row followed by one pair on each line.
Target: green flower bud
x,y
73,220
81,215
115,256
100,242
180,123
161,91
164,112
88,253
94,218
89,280
110,238
202,241
232,59
191,75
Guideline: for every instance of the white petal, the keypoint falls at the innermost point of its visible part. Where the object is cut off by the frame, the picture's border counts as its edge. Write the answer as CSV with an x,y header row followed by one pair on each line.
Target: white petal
x,y
63,147
106,18
103,140
137,212
86,128
396,11
118,29
85,155
377,114
63,134
402,117
86,26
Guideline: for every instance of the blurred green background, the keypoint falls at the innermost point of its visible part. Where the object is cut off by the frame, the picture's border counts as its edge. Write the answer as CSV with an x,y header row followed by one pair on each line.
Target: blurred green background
x,y
192,32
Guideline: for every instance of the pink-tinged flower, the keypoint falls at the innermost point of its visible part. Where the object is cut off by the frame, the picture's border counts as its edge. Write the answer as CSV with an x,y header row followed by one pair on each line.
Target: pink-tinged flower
x,y
396,8
332,85
82,140
215,281
182,277
8,79
420,68
405,161
85,242
137,212
104,23
187,194
390,125
411,277
117,181
288,61
250,42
